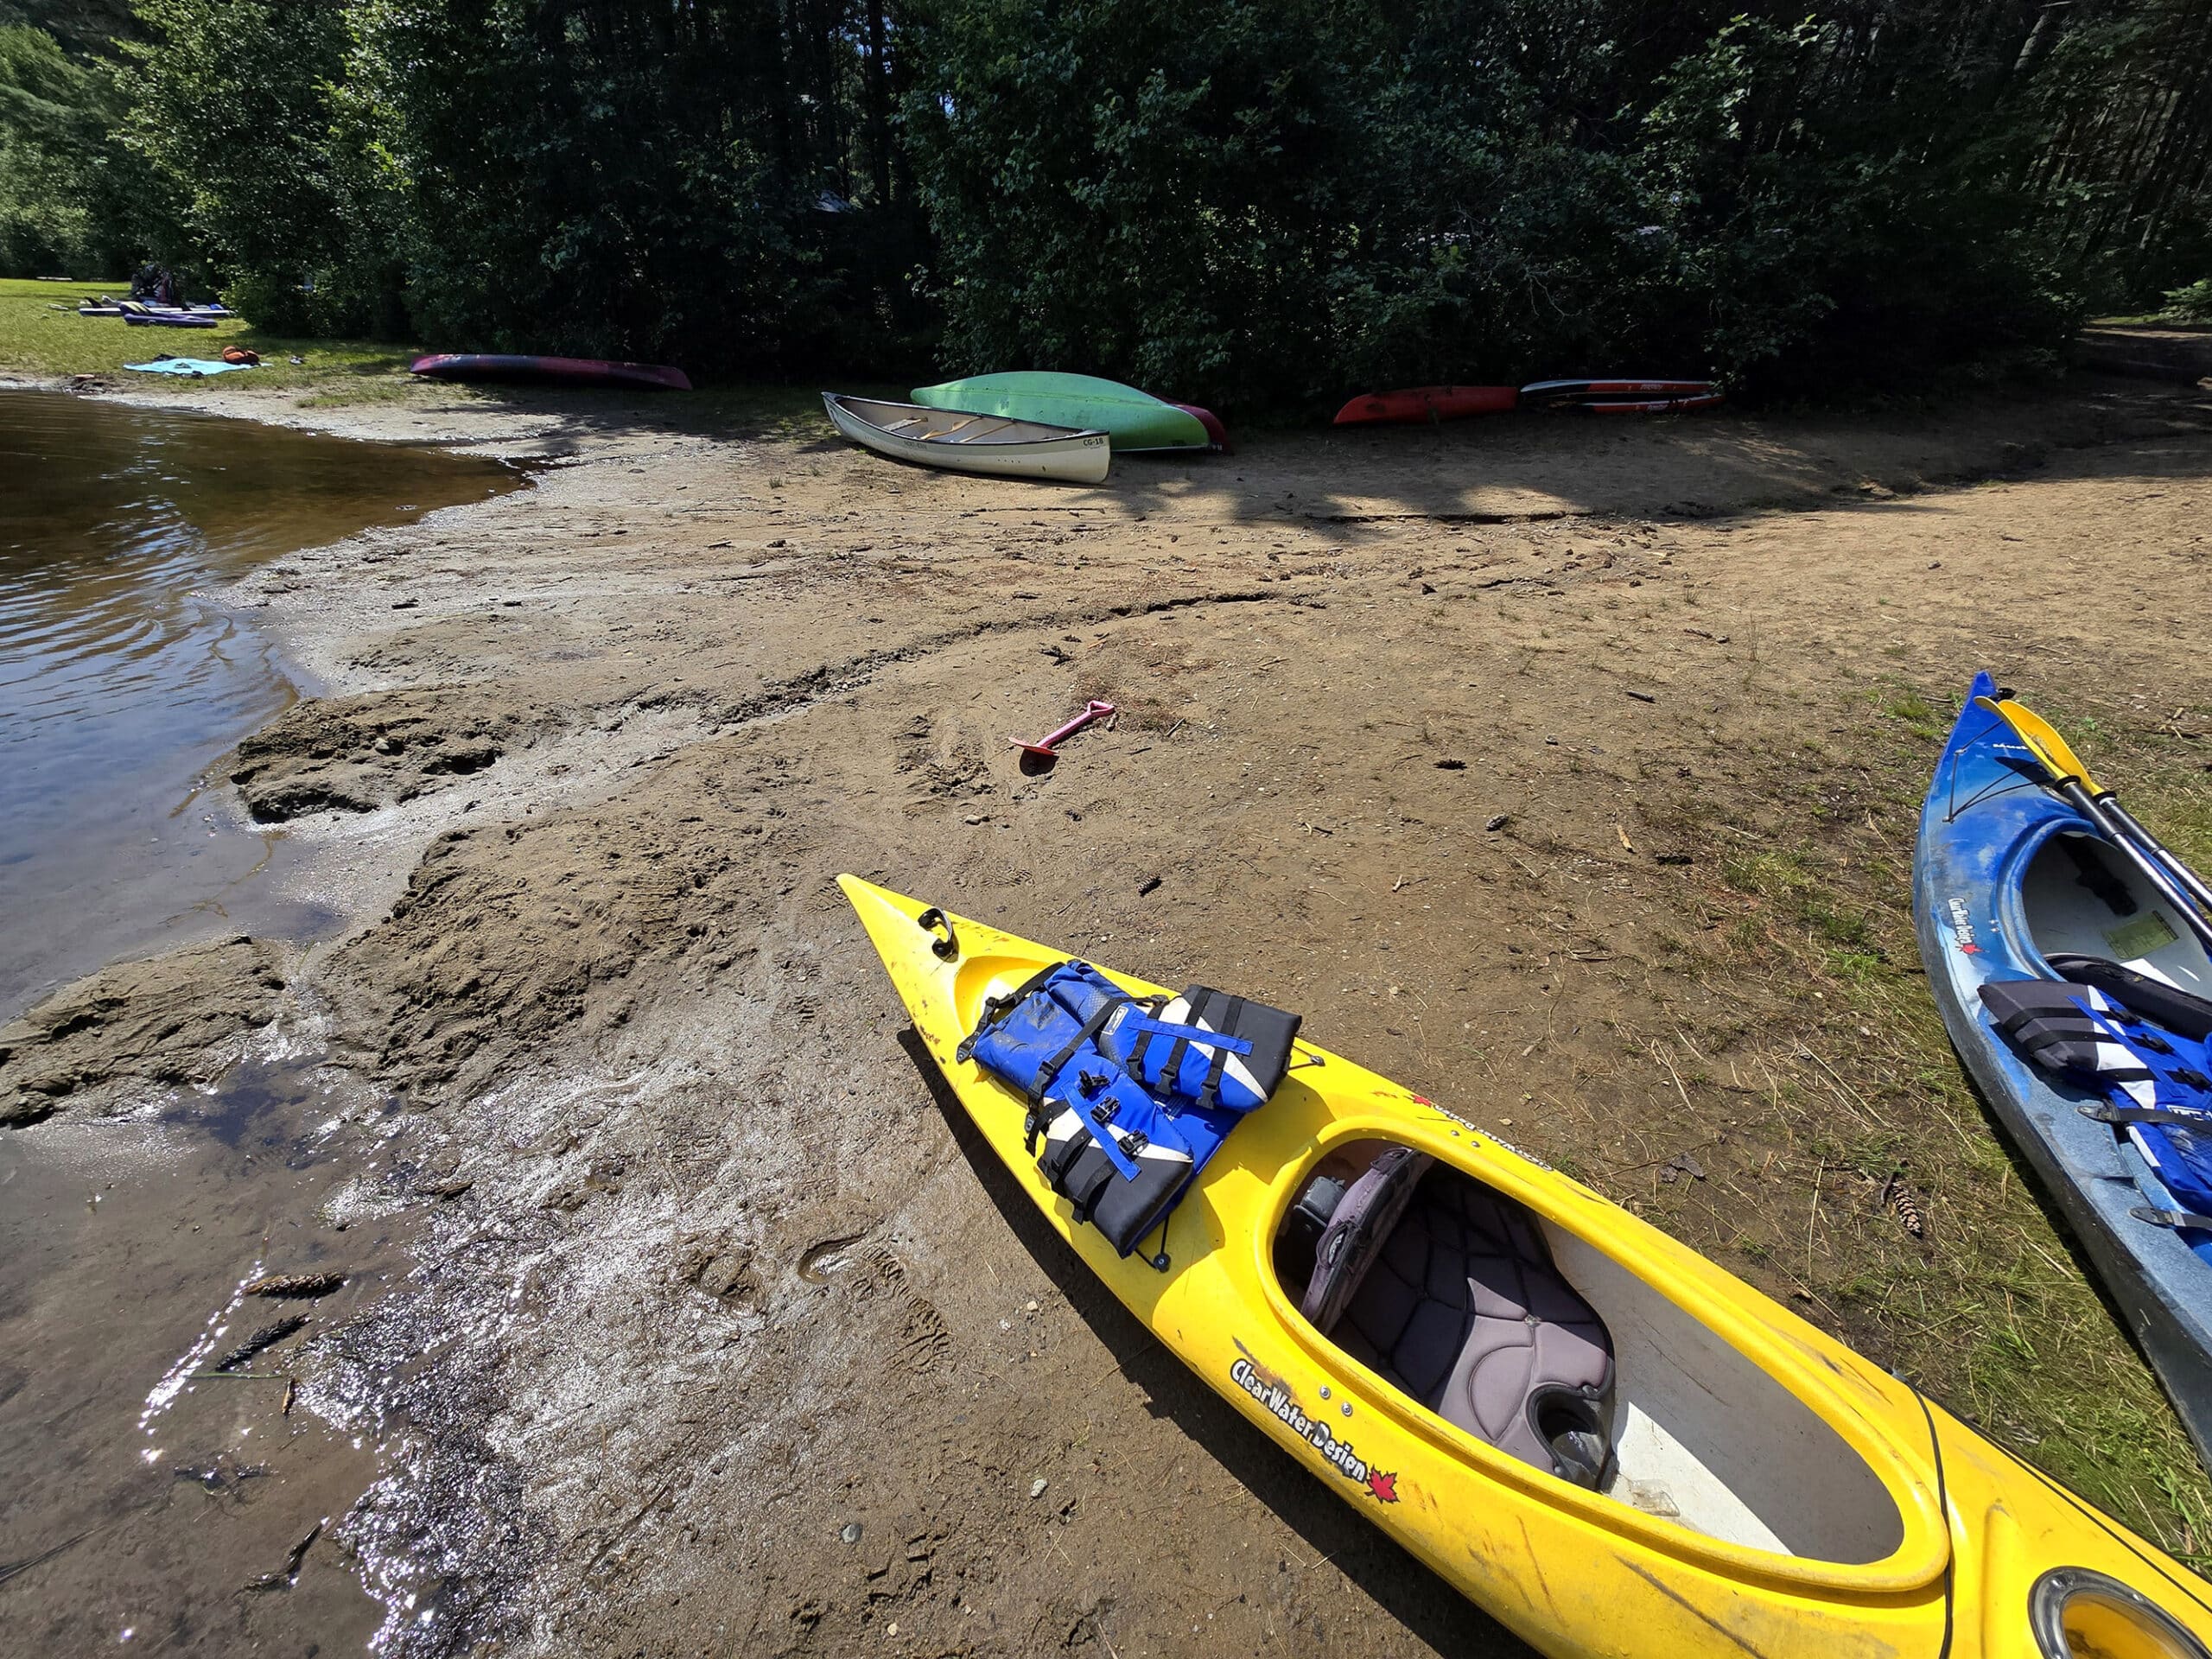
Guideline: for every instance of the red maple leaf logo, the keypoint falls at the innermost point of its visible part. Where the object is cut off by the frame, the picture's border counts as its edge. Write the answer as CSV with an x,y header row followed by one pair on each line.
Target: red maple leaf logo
x,y
1383,1486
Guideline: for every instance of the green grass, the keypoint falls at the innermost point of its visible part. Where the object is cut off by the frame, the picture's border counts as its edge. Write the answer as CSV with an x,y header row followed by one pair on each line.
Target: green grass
x,y
36,339
41,336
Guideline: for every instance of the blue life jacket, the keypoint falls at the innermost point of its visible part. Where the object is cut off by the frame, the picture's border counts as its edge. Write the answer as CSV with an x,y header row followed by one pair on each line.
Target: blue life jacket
x,y
2166,1110
1205,1047
1130,1103
2156,1082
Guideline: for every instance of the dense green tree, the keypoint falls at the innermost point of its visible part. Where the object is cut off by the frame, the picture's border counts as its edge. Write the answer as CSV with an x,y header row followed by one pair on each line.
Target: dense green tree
x,y
238,106
603,177
72,201
710,182
1258,201
1278,202
1156,189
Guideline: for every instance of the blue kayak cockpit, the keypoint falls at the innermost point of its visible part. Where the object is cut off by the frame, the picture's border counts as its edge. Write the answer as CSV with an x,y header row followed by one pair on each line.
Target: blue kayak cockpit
x,y
2076,896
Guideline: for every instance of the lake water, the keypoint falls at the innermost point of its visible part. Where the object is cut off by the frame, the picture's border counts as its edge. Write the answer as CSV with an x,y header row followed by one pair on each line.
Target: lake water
x,y
124,675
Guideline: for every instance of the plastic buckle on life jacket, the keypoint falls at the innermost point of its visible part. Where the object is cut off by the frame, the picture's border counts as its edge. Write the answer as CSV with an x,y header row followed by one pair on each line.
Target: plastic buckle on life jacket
x,y
1050,1069
1102,1114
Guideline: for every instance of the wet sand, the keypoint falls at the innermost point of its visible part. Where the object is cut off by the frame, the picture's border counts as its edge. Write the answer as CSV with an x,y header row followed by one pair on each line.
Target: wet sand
x,y
153,1500
676,1267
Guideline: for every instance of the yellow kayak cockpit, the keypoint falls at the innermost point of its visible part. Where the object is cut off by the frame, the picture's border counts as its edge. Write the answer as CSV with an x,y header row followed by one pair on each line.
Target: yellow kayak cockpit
x,y
1611,1444
1529,1340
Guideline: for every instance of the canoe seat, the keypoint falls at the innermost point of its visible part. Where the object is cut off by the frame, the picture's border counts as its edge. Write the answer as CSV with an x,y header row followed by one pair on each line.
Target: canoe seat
x,y
1447,1289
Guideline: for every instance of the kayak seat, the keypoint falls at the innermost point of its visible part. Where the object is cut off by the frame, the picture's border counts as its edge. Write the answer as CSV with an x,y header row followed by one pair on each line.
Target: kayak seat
x,y
1447,1289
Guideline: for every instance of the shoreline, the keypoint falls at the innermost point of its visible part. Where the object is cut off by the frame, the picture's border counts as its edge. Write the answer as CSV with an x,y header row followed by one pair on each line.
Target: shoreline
x,y
396,415
724,1280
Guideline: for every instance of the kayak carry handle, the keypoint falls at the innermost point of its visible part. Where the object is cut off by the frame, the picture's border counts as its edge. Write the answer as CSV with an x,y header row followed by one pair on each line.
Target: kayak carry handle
x,y
931,919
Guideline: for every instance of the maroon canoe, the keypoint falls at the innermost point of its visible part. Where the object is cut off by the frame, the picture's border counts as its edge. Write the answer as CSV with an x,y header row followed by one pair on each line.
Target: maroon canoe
x,y
561,371
1418,406
1216,434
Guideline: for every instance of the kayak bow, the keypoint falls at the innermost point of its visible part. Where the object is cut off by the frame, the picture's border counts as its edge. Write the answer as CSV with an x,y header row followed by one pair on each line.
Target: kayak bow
x,y
555,371
1418,406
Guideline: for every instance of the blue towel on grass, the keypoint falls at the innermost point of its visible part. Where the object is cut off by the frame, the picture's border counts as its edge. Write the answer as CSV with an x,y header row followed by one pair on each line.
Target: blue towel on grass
x,y
195,367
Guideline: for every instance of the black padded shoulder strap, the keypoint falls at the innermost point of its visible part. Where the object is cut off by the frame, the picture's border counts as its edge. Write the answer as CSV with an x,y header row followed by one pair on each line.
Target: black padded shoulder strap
x,y
1060,1157
1210,1094
1085,1198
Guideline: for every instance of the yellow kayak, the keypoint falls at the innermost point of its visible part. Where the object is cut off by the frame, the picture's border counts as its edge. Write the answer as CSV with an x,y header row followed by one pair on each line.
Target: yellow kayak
x,y
1756,1489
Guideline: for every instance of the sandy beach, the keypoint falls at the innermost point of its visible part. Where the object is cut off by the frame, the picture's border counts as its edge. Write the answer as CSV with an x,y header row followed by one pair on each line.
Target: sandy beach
x,y
1564,770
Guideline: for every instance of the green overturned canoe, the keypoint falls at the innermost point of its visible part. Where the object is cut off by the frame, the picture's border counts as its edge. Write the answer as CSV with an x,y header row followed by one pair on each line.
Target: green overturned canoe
x,y
1131,419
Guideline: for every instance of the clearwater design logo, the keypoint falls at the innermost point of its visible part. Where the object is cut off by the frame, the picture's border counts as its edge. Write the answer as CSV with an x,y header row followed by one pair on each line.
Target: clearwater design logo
x,y
1339,1454
1963,928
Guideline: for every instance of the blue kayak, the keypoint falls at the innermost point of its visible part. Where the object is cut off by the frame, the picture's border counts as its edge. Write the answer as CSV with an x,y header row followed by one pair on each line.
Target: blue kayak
x,y
2007,877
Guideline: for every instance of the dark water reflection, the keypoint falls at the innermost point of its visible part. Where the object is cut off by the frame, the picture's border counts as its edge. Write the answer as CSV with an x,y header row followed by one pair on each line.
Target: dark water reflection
x,y
122,675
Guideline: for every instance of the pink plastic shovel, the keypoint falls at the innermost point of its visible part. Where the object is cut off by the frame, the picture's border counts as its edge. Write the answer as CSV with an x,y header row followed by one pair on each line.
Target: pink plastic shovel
x,y
1047,747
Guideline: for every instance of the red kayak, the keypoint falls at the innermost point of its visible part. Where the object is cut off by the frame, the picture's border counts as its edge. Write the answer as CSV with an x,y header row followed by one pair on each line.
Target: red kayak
x,y
1216,431
1577,391
1418,406
561,371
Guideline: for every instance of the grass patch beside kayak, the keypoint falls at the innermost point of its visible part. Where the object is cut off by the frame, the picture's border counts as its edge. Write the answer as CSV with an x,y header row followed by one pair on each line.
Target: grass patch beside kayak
x,y
1873,1128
